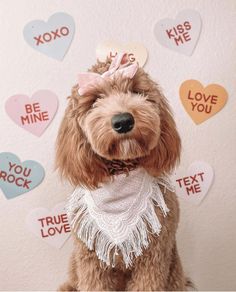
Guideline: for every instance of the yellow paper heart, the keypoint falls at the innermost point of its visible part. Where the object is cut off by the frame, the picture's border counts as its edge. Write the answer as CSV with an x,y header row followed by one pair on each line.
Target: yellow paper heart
x,y
201,102
136,51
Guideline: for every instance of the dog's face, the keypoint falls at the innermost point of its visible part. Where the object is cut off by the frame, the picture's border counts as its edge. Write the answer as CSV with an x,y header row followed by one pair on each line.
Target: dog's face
x,y
118,119
121,125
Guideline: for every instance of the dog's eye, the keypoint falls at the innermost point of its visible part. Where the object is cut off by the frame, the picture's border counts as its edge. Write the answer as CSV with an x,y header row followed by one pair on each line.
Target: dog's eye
x,y
100,96
94,105
150,100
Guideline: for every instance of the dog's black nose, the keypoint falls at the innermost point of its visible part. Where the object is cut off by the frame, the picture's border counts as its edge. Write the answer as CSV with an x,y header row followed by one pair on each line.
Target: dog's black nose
x,y
122,123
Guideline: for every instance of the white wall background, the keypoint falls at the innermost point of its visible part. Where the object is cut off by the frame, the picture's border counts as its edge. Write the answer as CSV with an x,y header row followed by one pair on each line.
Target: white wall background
x,y
207,233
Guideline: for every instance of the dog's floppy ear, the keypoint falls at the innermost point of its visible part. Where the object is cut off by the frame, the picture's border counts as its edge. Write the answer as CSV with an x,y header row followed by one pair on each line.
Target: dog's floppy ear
x,y
75,159
165,156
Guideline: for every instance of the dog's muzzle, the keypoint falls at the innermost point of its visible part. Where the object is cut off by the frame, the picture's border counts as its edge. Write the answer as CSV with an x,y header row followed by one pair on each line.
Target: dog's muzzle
x,y
122,123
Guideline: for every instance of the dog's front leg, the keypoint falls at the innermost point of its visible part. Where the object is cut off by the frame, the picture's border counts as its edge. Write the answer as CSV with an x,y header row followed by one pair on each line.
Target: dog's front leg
x,y
176,279
87,273
151,270
146,276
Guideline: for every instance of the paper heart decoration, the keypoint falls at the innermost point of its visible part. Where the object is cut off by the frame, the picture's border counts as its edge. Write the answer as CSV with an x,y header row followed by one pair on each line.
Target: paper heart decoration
x,y
52,38
136,51
193,185
17,178
202,103
181,34
33,114
51,226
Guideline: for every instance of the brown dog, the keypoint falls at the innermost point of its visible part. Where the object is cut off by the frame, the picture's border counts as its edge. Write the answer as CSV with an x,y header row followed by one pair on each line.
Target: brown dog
x,y
118,125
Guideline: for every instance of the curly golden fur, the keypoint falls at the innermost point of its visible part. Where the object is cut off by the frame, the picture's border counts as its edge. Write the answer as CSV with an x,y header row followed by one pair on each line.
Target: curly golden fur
x,y
87,143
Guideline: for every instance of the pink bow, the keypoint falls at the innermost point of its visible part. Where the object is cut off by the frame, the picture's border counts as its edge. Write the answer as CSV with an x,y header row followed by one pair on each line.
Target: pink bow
x,y
119,65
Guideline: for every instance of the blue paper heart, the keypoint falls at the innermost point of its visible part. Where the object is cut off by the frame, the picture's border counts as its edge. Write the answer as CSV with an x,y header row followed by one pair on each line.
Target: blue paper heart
x,y
17,178
51,38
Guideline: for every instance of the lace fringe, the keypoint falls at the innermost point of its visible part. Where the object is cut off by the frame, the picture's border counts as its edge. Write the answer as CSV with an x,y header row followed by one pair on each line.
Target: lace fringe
x,y
106,249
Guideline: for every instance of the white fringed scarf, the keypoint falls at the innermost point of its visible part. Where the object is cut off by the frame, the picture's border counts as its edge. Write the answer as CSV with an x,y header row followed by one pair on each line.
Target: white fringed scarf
x,y
117,217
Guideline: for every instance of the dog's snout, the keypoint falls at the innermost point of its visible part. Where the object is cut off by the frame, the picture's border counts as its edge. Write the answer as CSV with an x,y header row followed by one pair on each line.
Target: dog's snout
x,y
122,123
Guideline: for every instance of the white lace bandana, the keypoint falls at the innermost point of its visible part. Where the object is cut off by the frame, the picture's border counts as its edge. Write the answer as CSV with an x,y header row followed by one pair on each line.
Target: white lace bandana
x,y
117,217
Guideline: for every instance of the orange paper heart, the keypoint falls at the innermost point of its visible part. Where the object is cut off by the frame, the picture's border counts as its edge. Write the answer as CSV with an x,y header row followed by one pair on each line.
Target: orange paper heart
x,y
201,102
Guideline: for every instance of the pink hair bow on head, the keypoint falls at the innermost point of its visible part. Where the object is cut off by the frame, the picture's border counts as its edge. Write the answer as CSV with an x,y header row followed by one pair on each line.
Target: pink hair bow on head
x,y
119,65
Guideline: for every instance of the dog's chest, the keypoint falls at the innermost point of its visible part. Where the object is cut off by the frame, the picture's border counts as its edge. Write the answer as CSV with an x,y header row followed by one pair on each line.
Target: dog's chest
x,y
117,217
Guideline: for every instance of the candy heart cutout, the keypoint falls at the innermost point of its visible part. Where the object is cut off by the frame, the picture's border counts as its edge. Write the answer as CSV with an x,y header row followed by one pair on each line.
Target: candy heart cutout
x,y
181,34
33,114
52,38
194,185
51,226
202,103
16,177
136,51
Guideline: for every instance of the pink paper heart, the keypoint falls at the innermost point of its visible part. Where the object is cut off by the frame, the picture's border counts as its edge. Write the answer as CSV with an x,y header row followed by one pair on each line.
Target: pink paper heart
x,y
33,114
51,226
193,185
